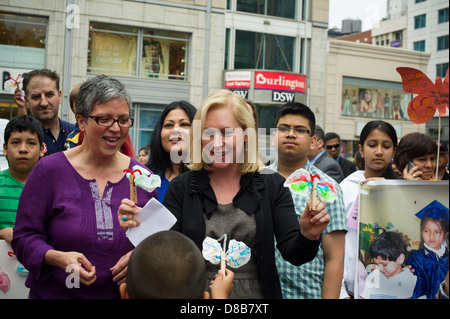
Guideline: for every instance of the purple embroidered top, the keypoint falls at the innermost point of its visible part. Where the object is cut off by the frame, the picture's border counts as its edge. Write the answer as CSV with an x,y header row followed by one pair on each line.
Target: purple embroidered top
x,y
59,209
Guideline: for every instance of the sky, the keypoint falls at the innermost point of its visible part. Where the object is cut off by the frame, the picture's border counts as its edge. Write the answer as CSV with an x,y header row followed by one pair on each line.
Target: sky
x,y
368,11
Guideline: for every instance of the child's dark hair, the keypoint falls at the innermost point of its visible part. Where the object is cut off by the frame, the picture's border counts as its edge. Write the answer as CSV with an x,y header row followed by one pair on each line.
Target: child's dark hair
x,y
166,265
297,109
389,245
22,123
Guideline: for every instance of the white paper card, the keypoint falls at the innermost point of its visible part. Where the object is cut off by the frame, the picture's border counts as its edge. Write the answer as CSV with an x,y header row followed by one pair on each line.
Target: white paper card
x,y
154,218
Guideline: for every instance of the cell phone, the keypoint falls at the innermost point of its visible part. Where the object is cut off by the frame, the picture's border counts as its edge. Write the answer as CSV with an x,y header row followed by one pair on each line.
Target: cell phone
x,y
410,165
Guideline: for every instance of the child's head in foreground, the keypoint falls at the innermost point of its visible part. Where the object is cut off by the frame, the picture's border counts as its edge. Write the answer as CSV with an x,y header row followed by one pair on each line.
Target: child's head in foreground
x,y
389,251
165,265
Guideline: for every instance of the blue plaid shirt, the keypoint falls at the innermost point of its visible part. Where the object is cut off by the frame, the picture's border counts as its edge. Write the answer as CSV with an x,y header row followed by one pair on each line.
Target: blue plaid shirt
x,y
305,281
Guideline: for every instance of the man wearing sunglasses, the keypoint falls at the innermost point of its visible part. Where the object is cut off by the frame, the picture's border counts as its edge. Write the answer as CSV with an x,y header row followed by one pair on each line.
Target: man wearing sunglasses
x,y
333,147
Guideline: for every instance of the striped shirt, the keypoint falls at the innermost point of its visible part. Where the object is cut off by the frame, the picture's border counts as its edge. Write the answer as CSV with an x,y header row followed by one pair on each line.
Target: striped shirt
x,y
305,281
10,190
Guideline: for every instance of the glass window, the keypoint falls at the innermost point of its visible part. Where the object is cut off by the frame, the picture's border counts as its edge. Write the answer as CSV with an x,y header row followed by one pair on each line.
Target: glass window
x,y
283,9
8,109
441,69
419,46
443,15
419,1
113,49
22,41
420,21
263,51
374,99
164,54
442,43
146,116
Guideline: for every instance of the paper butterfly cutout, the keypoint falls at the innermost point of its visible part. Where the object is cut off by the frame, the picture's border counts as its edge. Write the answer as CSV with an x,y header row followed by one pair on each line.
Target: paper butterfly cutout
x,y
237,255
145,179
10,83
5,282
431,96
301,182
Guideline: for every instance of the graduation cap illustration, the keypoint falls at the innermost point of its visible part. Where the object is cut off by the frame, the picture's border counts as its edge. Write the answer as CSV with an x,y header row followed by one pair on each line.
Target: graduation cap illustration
x,y
434,210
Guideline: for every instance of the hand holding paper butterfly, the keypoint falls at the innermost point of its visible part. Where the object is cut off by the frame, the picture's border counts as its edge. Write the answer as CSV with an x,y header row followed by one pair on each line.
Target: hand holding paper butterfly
x,y
314,218
237,254
313,222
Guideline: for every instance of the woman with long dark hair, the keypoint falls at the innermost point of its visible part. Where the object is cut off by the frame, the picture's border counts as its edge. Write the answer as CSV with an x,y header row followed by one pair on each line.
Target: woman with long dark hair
x,y
169,144
377,144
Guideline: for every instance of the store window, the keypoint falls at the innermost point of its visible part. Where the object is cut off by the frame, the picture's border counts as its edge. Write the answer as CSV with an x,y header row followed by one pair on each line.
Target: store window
x,y
22,41
283,9
131,51
374,99
145,116
255,50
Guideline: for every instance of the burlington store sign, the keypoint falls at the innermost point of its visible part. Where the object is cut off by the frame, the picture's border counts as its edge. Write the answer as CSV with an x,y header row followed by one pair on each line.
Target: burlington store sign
x,y
266,86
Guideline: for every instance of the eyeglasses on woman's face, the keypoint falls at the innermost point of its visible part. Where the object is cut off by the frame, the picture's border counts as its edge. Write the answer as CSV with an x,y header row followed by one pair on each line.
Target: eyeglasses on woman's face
x,y
107,121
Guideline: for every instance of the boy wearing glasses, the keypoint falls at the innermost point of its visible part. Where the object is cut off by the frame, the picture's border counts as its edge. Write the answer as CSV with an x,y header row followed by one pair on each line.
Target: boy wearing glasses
x,y
322,277
333,147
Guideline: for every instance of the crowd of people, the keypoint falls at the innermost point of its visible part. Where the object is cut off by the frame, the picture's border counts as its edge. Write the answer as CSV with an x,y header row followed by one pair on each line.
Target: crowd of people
x,y
68,203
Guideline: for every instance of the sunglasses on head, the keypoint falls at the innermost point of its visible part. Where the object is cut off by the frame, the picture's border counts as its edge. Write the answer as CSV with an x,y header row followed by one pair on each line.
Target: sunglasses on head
x,y
329,147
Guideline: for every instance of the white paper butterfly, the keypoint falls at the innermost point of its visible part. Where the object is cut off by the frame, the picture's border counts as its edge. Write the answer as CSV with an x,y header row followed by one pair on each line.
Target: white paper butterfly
x,y
237,255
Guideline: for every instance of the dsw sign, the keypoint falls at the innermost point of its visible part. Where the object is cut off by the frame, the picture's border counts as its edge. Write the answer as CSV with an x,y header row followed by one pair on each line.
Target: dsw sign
x,y
278,96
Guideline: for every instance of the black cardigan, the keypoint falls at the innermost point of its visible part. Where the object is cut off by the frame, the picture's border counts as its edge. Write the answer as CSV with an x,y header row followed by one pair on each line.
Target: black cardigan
x,y
190,195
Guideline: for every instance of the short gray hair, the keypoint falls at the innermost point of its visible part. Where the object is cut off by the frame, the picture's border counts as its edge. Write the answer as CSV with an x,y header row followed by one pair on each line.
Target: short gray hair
x,y
97,90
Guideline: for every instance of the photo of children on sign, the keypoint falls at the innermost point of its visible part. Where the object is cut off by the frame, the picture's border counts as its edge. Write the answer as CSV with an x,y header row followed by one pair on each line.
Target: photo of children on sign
x,y
403,239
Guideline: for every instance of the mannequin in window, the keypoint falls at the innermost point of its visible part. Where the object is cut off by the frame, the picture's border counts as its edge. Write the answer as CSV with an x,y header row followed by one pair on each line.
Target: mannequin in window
x,y
387,107
346,104
152,56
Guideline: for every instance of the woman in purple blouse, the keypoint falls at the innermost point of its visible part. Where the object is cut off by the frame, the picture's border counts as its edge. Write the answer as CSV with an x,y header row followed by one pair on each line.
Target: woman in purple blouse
x,y
67,233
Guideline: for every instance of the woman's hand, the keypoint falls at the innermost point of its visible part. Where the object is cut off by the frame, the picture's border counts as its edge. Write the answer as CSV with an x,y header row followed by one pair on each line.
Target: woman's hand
x,y
73,263
313,222
127,214
119,270
412,174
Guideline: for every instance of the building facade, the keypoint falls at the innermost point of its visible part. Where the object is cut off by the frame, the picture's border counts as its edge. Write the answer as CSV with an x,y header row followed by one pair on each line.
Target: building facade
x,y
162,51
269,51
275,53
363,85
420,25
169,50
